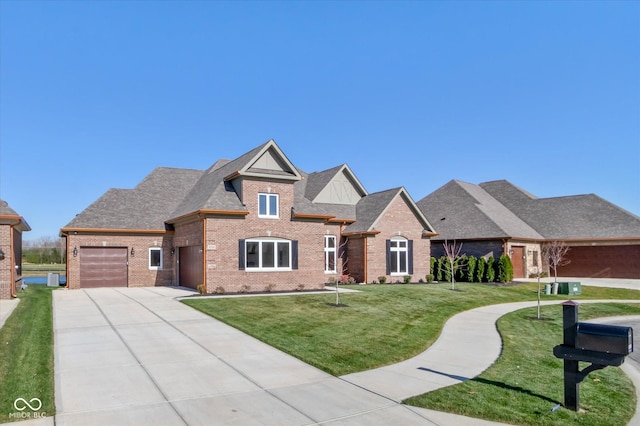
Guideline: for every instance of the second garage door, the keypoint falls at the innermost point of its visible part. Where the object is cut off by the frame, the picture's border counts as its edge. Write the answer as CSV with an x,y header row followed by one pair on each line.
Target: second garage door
x,y
103,267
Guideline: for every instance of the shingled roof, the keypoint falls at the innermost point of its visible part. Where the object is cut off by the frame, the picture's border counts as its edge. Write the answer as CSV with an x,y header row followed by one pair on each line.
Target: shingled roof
x,y
168,194
499,209
571,217
9,216
461,210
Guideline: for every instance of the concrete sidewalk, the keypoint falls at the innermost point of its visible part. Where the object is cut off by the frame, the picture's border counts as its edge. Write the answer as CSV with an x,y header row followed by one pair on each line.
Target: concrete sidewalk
x,y
6,309
137,356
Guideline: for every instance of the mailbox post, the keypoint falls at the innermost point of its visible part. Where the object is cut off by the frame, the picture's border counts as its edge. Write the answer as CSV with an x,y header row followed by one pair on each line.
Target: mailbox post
x,y
599,344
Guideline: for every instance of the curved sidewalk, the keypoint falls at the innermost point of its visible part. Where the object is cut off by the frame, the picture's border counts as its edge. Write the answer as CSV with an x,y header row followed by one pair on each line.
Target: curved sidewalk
x,y
468,345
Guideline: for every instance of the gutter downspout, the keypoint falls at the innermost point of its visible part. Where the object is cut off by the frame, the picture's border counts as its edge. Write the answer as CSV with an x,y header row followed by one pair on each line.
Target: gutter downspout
x,y
12,291
366,262
204,254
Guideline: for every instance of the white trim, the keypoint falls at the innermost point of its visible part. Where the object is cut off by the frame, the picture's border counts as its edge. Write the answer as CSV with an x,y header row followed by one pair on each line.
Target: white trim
x,y
397,252
328,250
269,214
151,267
259,253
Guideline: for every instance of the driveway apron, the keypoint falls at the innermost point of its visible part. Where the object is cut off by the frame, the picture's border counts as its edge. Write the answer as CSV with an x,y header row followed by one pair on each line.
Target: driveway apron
x,y
137,356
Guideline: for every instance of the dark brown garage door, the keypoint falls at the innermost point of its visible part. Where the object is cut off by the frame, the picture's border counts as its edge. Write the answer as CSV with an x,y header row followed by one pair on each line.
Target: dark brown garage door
x,y
190,266
103,267
602,262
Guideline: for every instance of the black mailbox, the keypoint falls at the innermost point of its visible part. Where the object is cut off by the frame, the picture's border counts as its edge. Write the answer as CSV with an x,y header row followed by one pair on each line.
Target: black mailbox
x,y
611,339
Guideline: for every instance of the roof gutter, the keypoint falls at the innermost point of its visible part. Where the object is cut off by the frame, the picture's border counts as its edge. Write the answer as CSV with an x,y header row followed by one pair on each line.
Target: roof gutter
x,y
67,231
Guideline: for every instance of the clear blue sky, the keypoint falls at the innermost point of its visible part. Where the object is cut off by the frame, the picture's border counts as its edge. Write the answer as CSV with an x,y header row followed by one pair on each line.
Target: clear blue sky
x,y
96,94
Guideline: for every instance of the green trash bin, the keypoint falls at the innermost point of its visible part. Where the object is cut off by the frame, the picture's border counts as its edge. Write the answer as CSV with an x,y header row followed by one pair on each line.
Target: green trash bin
x,y
547,289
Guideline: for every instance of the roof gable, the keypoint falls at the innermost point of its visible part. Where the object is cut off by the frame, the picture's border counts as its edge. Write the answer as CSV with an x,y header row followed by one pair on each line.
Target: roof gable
x,y
338,185
266,161
371,209
461,210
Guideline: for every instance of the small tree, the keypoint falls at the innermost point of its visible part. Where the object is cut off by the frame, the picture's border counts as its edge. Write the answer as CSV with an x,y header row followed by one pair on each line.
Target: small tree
x,y
452,251
480,267
491,269
555,252
505,269
471,268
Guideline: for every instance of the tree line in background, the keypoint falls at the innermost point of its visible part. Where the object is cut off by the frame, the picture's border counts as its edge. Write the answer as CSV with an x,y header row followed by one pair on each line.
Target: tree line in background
x,y
44,250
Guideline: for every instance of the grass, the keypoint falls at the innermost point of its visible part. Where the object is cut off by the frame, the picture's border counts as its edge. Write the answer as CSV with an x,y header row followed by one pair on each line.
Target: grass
x,y
526,382
382,325
26,354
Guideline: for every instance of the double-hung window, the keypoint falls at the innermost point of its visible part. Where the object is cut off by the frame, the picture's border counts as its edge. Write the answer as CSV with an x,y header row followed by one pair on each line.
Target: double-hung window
x,y
268,255
330,254
155,258
399,256
268,205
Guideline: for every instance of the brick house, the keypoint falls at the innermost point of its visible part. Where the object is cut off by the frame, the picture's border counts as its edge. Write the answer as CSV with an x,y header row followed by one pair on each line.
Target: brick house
x,y
251,224
498,217
12,225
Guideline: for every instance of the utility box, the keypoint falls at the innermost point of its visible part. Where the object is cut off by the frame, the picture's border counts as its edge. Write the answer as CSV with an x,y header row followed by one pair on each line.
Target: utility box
x,y
571,289
53,280
611,339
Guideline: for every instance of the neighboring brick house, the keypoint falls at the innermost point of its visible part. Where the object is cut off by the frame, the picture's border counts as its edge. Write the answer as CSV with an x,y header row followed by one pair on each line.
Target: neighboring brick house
x,y
12,225
256,223
498,217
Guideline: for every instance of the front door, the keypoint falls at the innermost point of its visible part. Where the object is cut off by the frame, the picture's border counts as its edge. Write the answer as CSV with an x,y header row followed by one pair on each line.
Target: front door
x,y
517,259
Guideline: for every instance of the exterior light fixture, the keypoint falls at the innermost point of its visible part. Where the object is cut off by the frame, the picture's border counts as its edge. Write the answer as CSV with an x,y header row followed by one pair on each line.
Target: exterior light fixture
x,y
1,254
173,251
75,251
133,251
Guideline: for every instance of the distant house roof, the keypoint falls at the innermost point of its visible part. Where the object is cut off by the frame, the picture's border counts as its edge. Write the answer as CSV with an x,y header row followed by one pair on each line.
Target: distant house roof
x,y
9,216
167,194
571,217
499,209
461,210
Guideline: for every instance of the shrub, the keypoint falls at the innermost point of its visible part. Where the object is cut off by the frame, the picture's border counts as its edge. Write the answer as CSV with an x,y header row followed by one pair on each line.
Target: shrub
x,y
244,289
460,267
331,280
219,290
382,279
407,279
491,269
440,268
269,287
471,268
429,278
505,271
433,264
445,269
300,287
202,289
480,267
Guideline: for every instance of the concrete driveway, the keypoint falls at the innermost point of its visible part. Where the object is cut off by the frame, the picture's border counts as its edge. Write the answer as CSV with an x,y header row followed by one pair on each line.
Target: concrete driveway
x,y
137,356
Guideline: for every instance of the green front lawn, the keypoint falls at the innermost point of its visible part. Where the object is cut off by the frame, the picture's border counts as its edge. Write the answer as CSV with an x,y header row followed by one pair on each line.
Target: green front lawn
x,y
526,382
26,355
382,325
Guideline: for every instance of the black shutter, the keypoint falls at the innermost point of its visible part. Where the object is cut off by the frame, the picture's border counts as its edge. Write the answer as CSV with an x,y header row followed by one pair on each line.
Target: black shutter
x,y
294,254
388,257
241,254
410,256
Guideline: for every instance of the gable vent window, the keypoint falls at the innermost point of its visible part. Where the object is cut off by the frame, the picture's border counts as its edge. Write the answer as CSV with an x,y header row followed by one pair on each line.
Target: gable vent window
x,y
268,205
155,258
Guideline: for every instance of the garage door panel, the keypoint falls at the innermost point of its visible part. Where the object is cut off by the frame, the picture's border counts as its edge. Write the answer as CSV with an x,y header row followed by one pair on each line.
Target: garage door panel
x,y
103,267
621,261
190,266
